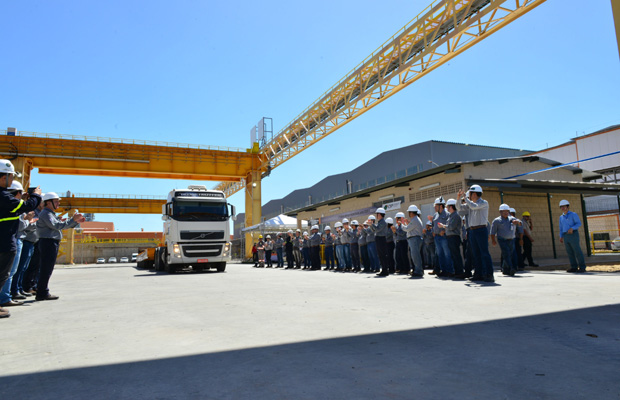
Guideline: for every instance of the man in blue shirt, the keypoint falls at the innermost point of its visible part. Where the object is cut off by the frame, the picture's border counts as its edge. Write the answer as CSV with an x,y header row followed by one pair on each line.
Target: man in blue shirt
x,y
504,228
569,235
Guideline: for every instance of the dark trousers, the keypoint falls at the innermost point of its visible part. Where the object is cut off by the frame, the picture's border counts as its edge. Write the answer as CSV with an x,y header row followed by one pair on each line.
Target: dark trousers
x,y
517,256
6,263
382,251
430,258
48,251
390,256
467,254
305,251
31,275
507,247
268,257
315,257
402,259
479,240
280,257
454,244
355,256
365,259
329,257
527,250
290,260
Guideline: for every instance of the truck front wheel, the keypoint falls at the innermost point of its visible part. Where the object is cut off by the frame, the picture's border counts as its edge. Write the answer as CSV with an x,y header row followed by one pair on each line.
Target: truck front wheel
x,y
221,267
168,267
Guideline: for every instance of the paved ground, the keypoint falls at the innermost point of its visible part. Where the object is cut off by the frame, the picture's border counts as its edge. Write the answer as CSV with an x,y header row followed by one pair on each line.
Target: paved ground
x,y
120,333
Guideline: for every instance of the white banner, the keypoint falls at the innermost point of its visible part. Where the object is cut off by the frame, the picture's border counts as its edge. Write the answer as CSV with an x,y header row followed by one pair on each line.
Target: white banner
x,y
395,205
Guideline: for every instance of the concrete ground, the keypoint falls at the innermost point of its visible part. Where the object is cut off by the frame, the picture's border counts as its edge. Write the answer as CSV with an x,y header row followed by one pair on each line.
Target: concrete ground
x,y
121,333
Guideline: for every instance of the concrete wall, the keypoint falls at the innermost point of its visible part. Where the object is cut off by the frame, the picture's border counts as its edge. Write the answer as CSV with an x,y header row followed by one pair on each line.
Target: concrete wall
x,y
537,205
85,253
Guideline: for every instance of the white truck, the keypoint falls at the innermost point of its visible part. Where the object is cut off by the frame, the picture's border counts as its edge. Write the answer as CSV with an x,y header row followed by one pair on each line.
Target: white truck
x,y
196,230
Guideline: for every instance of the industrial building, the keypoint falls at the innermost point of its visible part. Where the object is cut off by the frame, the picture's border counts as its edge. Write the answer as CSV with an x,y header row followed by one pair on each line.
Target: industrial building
x,y
386,167
504,180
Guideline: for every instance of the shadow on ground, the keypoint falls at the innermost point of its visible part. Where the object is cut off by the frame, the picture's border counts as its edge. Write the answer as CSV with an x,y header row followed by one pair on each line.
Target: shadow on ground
x,y
568,355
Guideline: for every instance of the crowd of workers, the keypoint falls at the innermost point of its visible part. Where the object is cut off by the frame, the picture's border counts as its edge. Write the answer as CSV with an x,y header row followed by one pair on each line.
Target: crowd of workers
x,y
30,235
454,242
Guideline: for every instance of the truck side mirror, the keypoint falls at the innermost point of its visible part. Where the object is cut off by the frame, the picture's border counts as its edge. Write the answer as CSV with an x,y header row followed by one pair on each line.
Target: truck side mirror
x,y
233,212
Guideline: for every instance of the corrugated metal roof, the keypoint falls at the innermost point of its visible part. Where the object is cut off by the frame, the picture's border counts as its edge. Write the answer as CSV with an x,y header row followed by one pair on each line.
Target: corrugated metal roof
x,y
559,186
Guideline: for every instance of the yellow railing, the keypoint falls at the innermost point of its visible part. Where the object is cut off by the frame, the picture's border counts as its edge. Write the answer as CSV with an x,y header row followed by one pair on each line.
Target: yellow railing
x,y
87,240
605,241
125,141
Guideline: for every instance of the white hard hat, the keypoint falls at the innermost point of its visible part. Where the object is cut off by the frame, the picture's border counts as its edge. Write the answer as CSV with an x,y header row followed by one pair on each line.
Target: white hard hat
x,y
512,210
380,210
305,233
298,230
315,227
16,186
372,217
268,237
50,196
290,231
413,208
504,207
6,167
345,221
354,222
338,224
389,220
564,203
400,215
327,228
451,202
439,201
429,223
475,188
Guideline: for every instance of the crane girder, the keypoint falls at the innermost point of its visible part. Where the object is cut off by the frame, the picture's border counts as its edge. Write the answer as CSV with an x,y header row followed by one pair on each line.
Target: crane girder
x,y
78,155
440,32
113,204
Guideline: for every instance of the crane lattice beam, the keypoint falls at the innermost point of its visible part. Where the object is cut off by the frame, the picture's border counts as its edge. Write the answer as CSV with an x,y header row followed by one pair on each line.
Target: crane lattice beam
x,y
443,30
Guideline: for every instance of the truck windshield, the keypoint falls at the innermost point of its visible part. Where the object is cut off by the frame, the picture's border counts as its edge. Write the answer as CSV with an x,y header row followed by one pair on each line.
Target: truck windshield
x,y
189,210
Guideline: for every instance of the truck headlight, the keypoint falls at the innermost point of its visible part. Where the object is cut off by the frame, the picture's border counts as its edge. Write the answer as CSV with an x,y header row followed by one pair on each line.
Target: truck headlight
x,y
176,250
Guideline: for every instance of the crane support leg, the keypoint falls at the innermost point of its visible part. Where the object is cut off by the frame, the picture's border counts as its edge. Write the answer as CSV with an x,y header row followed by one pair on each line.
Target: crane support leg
x,y
23,165
615,6
253,211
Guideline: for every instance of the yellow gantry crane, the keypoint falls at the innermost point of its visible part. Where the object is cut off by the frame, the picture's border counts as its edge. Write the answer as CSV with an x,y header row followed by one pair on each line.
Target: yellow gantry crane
x,y
440,32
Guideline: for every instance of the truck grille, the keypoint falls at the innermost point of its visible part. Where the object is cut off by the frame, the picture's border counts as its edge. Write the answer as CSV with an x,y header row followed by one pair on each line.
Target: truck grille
x,y
203,250
202,235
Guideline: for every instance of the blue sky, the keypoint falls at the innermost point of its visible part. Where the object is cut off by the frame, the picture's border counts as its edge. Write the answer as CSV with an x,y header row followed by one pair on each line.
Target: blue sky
x,y
205,72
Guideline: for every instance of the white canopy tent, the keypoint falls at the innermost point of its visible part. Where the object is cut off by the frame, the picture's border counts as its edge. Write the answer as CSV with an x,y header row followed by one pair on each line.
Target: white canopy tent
x,y
281,223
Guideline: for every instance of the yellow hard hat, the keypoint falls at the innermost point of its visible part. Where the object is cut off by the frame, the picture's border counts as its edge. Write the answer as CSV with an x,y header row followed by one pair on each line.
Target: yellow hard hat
x,y
525,214
260,236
